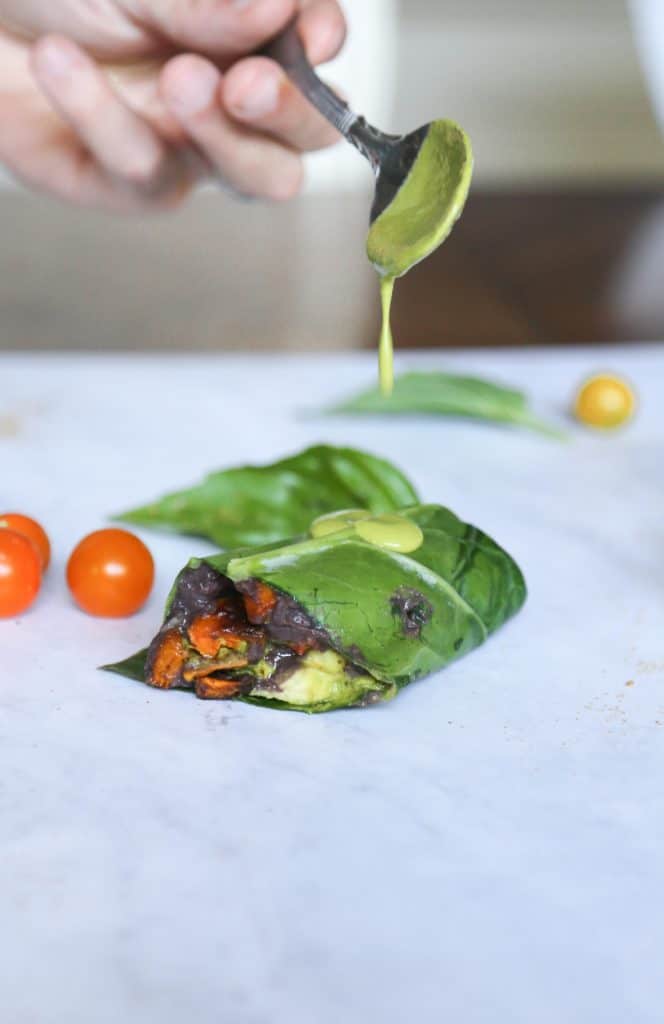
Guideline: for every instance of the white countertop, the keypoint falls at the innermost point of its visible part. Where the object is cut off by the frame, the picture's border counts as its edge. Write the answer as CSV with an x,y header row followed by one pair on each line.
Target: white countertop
x,y
488,849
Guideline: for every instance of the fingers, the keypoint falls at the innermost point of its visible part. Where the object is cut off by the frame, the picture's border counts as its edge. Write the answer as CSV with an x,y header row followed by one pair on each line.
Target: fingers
x,y
66,170
51,159
251,163
322,27
223,29
123,144
228,29
257,93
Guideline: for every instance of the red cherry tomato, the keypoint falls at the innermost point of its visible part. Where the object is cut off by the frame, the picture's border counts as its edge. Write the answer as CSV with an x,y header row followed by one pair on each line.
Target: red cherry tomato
x,y
20,573
31,529
110,574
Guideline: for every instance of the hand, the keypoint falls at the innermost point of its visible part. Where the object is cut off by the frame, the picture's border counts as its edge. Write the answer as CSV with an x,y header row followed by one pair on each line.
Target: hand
x,y
133,102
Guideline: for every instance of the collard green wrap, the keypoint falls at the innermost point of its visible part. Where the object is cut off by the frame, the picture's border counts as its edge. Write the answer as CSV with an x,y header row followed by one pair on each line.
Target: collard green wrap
x,y
334,620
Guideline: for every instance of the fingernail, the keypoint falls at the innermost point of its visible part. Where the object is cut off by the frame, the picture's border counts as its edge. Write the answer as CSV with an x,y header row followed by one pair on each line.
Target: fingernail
x,y
260,98
195,92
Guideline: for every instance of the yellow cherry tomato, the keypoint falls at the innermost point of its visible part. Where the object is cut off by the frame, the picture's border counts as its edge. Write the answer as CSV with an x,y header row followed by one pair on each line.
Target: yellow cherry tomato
x,y
605,401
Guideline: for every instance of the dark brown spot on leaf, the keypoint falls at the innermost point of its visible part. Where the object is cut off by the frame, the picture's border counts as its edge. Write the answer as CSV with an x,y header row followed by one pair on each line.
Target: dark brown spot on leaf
x,y
412,609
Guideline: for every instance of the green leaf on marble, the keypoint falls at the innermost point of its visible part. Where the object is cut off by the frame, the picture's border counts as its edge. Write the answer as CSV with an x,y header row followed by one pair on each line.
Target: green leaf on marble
x,y
130,668
255,505
446,394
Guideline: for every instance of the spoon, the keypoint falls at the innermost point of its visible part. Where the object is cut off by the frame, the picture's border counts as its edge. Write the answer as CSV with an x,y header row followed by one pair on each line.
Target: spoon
x,y
422,182
391,156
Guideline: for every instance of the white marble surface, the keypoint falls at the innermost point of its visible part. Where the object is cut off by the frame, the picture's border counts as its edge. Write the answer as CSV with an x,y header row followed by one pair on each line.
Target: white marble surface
x,y
488,849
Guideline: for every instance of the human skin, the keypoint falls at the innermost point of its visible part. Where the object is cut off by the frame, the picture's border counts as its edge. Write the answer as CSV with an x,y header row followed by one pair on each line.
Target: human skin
x,y
128,104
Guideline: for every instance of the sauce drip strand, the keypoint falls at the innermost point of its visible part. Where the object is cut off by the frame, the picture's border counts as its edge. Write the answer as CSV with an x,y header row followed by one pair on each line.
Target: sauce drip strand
x,y
386,348
419,219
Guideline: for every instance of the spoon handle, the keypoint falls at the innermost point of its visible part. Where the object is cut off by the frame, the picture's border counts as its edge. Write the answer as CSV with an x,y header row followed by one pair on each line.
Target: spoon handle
x,y
287,50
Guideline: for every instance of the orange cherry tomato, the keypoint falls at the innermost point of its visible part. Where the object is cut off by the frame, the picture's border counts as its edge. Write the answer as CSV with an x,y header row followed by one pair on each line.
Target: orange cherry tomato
x,y
110,574
20,573
31,529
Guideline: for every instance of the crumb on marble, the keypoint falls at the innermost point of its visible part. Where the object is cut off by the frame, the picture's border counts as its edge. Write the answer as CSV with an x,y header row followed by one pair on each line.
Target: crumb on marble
x,y
10,426
650,667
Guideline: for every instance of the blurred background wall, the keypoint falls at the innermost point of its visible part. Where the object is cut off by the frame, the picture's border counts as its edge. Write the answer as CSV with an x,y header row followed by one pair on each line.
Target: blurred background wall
x,y
549,90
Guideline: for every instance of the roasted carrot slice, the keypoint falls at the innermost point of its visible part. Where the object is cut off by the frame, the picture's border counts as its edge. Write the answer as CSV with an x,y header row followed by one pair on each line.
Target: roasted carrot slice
x,y
165,669
210,633
217,689
207,634
260,602
303,647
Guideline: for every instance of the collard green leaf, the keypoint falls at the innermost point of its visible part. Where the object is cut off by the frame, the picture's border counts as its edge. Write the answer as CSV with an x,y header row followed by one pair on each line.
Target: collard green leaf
x,y
397,616
447,394
130,668
255,505
393,617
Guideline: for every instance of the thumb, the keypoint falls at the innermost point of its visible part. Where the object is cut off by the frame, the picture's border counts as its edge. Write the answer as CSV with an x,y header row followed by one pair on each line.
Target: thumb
x,y
221,29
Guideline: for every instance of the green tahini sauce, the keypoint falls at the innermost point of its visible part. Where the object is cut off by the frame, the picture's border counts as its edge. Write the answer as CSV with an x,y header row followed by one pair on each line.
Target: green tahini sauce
x,y
391,531
419,219
336,522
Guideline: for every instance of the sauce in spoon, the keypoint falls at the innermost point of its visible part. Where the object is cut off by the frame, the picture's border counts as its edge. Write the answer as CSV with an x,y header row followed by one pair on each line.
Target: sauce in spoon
x,y
422,180
419,219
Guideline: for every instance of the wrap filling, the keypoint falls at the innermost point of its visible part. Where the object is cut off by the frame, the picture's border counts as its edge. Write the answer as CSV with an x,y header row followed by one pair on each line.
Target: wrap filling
x,y
247,640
